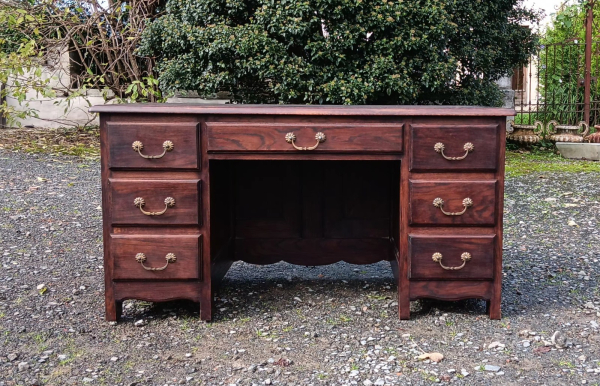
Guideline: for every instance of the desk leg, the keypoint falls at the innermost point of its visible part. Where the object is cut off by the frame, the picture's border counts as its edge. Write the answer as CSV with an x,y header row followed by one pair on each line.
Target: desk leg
x,y
206,304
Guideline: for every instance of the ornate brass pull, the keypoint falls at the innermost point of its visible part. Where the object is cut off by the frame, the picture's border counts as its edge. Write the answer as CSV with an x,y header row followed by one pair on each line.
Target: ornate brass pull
x,y
291,138
466,256
439,203
139,146
141,258
439,148
139,202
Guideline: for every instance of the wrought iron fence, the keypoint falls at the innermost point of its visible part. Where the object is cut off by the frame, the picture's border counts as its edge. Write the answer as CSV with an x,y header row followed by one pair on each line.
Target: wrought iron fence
x,y
561,81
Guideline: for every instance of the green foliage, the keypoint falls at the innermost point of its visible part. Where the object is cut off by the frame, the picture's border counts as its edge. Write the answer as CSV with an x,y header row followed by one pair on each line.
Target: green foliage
x,y
98,37
562,66
341,51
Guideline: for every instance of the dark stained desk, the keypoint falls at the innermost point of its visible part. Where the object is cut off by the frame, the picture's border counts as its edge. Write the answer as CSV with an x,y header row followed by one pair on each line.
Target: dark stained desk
x,y
189,189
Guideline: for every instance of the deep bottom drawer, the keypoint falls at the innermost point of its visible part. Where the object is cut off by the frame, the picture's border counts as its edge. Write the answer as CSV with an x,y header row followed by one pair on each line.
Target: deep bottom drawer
x,y
184,254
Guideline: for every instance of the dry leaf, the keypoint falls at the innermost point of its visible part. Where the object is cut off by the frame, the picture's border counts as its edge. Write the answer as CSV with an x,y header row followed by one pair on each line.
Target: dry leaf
x,y
434,356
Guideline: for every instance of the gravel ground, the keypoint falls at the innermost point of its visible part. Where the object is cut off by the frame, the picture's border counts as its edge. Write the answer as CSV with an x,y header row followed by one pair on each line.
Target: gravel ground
x,y
283,324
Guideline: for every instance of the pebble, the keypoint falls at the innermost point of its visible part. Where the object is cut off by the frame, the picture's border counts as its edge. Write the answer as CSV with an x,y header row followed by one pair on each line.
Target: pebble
x,y
267,381
496,345
114,359
22,366
526,343
493,368
140,323
379,382
367,382
12,357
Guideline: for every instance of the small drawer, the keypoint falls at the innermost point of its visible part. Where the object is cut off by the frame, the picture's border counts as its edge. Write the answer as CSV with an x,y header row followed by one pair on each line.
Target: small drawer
x,y
156,257
454,147
152,202
152,145
451,257
453,202
321,138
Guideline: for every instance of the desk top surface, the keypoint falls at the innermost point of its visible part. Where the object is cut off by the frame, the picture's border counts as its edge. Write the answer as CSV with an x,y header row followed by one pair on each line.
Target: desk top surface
x,y
318,110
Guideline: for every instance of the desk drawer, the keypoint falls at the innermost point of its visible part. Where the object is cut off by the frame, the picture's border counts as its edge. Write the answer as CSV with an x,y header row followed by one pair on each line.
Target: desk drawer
x,y
175,202
156,257
277,137
454,147
475,255
173,145
453,202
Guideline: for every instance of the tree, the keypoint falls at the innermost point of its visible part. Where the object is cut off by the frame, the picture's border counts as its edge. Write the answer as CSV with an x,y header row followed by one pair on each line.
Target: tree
x,y
100,38
341,51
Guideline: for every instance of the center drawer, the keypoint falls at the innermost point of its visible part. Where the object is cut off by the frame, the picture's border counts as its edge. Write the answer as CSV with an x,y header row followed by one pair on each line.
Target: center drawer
x,y
156,256
318,137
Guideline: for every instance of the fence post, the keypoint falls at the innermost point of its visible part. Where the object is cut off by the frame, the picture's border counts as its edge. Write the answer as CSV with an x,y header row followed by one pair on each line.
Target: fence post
x,y
589,22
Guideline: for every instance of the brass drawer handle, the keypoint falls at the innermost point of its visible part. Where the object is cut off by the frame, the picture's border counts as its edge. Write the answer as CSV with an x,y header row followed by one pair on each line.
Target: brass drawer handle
x,y
439,203
466,256
139,202
141,258
139,146
439,148
291,138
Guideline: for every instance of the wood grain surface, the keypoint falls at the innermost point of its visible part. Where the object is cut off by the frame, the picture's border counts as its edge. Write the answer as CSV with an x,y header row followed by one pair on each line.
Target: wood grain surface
x,y
184,136
422,266
187,249
423,138
482,212
185,192
270,137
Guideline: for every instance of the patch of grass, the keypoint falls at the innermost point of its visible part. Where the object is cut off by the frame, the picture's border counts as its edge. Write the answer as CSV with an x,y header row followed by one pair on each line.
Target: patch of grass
x,y
523,163
79,142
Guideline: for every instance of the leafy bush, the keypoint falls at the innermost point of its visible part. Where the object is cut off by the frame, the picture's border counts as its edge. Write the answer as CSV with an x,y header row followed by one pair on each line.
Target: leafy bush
x,y
341,51
562,65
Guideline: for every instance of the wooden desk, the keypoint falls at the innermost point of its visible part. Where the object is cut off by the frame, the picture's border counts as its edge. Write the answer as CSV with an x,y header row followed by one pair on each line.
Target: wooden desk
x,y
419,186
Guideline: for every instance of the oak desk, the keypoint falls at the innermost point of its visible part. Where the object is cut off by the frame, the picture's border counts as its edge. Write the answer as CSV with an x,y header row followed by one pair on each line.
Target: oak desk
x,y
188,189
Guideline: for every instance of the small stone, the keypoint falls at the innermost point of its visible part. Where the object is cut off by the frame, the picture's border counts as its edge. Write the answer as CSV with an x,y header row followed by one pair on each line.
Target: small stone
x,y
140,323
589,305
188,355
88,380
500,373
12,357
23,366
526,343
354,373
559,340
367,382
41,287
451,371
582,358
62,357
379,382
494,345
252,368
268,381
114,359
464,372
297,299
493,368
